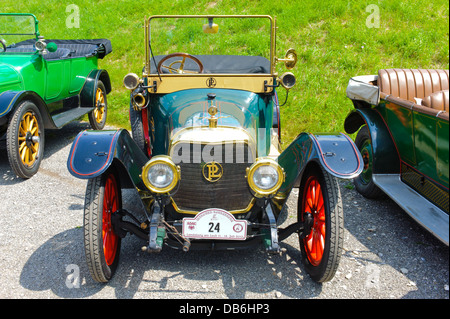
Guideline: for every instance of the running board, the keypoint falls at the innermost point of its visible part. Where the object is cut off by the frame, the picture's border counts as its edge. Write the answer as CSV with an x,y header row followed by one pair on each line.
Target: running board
x,y
424,212
63,118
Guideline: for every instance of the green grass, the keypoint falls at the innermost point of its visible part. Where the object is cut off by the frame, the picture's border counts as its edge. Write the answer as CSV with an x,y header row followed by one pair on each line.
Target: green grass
x,y
331,38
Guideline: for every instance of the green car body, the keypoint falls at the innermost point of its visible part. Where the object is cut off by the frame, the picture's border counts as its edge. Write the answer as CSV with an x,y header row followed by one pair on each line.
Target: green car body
x,y
405,141
53,82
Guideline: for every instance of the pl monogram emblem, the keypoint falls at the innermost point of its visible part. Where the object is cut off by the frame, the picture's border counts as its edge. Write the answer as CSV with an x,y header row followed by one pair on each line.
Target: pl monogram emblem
x,y
212,171
211,82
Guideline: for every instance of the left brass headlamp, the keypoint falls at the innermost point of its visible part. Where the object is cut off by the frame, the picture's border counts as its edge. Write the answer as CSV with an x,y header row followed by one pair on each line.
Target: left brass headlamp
x,y
160,174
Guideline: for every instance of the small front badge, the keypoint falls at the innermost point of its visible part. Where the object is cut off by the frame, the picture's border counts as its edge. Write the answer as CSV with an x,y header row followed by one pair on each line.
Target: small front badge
x,y
211,82
212,171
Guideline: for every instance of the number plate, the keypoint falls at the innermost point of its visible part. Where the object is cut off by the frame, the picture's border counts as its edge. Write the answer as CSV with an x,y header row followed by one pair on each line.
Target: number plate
x,y
214,223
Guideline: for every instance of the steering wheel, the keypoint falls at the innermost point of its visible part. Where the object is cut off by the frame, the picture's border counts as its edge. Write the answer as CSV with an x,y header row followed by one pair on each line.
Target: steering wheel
x,y
180,69
3,45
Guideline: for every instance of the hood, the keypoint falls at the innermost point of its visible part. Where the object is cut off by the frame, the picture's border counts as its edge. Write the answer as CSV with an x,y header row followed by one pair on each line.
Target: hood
x,y
9,78
183,116
189,109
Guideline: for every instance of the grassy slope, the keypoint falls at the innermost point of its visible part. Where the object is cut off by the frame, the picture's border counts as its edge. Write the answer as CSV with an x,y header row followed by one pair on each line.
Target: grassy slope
x,y
332,41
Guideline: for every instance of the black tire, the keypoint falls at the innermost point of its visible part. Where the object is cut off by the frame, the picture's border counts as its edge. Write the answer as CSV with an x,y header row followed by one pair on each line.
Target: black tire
x,y
102,261
25,139
364,183
322,247
137,128
97,118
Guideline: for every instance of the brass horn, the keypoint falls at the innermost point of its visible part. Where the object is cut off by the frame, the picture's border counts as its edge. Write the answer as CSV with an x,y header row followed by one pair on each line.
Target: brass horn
x,y
138,100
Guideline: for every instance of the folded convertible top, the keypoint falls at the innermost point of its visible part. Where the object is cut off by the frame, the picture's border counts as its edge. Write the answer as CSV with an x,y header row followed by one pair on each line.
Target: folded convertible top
x,y
77,48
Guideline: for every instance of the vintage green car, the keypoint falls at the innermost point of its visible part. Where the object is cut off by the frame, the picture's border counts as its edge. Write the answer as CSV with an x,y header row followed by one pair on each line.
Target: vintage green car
x,y
45,84
204,157
403,116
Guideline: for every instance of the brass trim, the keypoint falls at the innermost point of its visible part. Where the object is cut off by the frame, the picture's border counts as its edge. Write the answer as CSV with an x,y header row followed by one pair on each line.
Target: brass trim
x,y
191,212
169,83
202,138
272,25
147,46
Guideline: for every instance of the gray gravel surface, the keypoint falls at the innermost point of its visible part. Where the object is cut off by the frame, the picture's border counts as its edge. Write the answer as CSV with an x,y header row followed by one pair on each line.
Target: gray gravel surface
x,y
386,254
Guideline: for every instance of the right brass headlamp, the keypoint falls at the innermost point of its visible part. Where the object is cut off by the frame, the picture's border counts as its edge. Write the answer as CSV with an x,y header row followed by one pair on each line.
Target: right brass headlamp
x,y
265,176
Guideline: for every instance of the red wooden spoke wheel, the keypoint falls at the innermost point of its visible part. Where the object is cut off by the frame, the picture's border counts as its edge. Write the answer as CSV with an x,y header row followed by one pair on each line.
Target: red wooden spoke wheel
x,y
101,243
110,205
314,204
320,201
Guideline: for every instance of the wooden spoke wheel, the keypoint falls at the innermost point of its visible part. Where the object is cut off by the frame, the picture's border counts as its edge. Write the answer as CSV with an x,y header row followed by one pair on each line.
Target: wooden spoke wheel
x,y
97,118
321,248
25,139
101,243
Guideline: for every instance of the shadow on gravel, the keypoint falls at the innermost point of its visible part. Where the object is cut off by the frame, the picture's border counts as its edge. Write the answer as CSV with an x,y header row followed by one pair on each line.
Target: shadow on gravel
x,y
51,267
232,274
391,238
171,273
55,140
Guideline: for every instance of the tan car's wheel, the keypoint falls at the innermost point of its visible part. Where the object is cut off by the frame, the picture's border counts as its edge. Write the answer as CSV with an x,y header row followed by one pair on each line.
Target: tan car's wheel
x,y
25,140
364,183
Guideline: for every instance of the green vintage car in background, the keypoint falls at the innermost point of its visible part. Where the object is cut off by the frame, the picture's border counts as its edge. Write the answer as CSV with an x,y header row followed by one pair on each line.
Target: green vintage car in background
x,y
45,84
404,141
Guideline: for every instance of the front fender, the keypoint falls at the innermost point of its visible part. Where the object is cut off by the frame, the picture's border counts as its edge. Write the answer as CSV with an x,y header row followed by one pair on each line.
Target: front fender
x,y
386,159
9,100
93,152
336,153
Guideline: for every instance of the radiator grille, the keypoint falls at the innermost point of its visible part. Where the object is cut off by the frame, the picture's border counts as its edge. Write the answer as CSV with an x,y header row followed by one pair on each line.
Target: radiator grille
x,y
230,192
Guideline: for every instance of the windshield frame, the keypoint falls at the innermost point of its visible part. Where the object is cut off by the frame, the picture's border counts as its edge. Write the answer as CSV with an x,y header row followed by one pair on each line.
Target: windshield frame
x,y
147,35
36,22
35,35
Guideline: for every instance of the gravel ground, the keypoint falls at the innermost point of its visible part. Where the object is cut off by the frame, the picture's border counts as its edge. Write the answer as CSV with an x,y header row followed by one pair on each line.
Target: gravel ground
x,y
386,254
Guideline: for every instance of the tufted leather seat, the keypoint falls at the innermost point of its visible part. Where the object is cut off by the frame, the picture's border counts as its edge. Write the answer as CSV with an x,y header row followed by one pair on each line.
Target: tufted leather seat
x,y
438,101
428,85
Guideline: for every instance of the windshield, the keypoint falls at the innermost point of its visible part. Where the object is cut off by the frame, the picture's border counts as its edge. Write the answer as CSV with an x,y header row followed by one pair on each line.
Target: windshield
x,y
211,36
15,29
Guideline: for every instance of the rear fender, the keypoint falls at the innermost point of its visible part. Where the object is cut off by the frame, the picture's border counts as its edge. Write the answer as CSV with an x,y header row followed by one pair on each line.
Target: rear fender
x,y
386,158
93,152
87,94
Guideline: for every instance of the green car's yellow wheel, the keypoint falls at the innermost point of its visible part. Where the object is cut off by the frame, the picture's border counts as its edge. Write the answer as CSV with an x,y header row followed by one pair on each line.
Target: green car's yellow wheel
x,y
97,118
25,139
